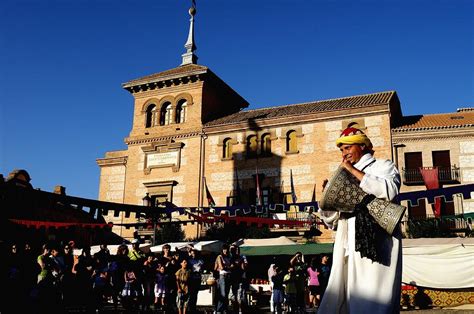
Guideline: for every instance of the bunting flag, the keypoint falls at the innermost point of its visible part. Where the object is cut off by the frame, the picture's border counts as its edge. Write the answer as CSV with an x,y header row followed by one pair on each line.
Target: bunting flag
x,y
56,224
313,198
430,176
210,200
293,193
258,191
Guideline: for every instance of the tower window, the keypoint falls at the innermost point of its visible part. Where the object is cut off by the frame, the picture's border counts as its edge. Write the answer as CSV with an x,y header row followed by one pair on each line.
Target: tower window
x,y
266,145
165,114
252,146
150,116
291,142
227,149
181,111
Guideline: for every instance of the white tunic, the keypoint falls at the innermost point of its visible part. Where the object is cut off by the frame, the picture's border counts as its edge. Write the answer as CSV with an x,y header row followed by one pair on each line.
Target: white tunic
x,y
358,285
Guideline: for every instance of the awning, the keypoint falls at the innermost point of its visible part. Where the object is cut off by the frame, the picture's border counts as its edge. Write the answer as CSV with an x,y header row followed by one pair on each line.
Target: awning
x,y
174,246
306,249
266,242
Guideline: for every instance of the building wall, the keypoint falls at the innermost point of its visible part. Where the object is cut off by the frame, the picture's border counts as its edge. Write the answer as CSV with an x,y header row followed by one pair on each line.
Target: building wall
x,y
460,144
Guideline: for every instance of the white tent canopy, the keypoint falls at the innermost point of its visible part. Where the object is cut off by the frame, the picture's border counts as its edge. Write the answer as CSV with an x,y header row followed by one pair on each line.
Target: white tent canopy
x,y
174,246
445,263
213,246
267,242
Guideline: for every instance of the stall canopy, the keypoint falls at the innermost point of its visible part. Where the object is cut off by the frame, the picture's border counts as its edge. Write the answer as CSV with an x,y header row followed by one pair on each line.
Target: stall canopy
x,y
213,246
289,249
444,263
174,246
265,242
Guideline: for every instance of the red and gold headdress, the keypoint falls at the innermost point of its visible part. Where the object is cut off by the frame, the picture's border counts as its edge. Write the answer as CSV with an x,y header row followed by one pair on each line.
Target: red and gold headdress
x,y
351,135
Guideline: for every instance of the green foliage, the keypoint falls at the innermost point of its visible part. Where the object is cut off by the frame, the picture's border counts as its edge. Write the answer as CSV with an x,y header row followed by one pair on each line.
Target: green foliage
x,y
232,232
169,233
428,228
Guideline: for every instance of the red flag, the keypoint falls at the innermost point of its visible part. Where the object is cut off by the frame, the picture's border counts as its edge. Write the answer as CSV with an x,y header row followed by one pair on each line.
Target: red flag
x,y
430,176
210,200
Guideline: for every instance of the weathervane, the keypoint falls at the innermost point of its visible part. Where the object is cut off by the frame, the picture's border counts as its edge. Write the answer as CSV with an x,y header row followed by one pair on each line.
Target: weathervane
x,y
189,57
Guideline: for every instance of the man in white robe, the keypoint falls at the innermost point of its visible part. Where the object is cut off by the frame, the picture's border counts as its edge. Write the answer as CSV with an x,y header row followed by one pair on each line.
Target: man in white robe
x,y
358,284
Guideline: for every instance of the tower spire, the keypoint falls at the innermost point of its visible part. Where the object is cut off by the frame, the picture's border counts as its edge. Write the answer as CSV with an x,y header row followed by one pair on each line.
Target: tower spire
x,y
189,57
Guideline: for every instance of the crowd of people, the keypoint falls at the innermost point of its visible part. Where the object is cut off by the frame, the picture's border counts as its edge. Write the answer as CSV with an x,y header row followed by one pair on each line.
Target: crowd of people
x,y
56,280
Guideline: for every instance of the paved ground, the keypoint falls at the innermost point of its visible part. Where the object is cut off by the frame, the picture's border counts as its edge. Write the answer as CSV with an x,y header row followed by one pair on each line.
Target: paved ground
x,y
464,309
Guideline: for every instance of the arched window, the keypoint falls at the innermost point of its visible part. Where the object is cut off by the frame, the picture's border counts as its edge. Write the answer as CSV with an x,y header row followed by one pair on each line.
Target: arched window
x,y
181,111
291,142
252,146
150,116
165,114
266,145
227,148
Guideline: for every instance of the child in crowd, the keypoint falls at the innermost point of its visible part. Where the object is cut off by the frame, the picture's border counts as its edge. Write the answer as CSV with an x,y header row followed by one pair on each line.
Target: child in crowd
x,y
182,281
160,287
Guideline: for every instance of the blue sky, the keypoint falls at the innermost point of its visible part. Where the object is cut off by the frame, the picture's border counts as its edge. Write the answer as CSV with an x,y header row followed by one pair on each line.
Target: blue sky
x,y
63,62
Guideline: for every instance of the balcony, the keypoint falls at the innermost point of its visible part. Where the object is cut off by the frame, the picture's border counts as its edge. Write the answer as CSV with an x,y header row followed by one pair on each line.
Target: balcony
x,y
446,175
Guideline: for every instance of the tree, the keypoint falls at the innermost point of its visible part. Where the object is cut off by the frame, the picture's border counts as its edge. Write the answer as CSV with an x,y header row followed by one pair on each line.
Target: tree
x,y
168,232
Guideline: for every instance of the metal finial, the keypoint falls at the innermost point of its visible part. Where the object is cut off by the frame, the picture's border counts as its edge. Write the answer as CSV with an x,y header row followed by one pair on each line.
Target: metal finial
x,y
189,57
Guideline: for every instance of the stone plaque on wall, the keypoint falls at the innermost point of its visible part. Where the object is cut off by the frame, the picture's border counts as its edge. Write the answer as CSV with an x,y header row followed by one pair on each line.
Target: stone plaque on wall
x,y
162,155
162,159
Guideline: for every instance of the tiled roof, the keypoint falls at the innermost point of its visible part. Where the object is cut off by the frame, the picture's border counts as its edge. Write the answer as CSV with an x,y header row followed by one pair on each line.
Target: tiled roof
x,y
462,118
168,74
306,108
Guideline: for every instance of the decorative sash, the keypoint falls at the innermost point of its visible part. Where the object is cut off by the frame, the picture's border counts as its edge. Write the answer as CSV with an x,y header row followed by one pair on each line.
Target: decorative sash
x,y
343,194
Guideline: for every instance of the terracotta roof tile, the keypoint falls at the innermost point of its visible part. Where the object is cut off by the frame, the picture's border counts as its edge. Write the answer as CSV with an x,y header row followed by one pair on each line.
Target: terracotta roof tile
x,y
175,72
462,118
306,108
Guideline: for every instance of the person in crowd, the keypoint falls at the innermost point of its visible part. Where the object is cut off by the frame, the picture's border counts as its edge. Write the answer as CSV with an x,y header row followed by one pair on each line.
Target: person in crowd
x,y
161,289
365,256
136,255
183,276
325,271
271,272
116,271
300,269
149,276
278,290
313,283
290,290
102,257
166,255
196,265
235,275
222,266
132,290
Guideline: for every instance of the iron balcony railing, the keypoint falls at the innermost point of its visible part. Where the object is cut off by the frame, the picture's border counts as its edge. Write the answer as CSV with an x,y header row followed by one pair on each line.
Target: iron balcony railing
x,y
445,175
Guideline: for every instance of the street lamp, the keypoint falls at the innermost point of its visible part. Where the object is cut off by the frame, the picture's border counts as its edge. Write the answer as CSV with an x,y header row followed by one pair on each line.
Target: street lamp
x,y
147,202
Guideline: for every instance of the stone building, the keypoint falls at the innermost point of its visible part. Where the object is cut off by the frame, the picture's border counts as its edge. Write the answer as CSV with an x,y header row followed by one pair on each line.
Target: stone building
x,y
445,141
190,127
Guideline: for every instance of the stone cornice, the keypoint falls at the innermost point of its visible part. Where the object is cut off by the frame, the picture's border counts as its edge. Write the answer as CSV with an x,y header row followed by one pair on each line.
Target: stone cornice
x,y
433,128
113,161
300,119
138,140
164,82
432,134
